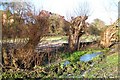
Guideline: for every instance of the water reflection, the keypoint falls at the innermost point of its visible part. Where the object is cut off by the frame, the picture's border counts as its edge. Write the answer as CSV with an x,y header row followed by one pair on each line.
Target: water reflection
x,y
88,57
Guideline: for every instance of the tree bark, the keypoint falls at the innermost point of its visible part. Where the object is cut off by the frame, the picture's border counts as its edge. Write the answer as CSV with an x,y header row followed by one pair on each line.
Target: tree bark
x,y
76,30
108,37
73,40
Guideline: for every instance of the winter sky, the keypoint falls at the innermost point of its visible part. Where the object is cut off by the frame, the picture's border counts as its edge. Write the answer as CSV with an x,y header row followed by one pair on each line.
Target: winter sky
x,y
106,10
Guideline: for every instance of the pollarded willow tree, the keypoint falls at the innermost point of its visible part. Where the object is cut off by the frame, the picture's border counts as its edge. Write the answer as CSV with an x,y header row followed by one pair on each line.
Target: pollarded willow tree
x,y
78,26
110,35
25,25
76,30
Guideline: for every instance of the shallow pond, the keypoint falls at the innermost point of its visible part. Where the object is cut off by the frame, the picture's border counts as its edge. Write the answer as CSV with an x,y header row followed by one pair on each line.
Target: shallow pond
x,y
88,57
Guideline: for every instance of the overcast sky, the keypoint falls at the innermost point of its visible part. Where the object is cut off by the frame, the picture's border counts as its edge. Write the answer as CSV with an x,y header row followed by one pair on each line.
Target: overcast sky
x,y
105,10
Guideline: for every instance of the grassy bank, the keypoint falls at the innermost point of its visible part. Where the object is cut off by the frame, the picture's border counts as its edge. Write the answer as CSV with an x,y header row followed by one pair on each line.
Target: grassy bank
x,y
103,67
108,68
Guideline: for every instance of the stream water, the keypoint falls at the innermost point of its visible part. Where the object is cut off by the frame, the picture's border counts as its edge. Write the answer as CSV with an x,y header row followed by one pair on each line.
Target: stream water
x,y
88,57
85,58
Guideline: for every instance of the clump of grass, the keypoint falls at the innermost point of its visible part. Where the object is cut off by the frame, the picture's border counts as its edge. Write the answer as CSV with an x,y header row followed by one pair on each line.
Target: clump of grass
x,y
76,55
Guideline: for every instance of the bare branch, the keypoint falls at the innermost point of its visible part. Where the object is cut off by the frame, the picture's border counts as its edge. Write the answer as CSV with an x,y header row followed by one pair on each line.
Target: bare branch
x,y
82,9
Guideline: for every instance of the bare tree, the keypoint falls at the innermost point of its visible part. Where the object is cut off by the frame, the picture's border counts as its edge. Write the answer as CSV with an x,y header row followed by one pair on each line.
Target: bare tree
x,y
78,26
32,26
82,9
14,14
110,35
111,8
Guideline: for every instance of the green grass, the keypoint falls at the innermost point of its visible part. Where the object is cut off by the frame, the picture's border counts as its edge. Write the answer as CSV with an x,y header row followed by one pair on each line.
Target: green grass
x,y
55,38
76,55
107,68
89,38
65,38
48,38
75,67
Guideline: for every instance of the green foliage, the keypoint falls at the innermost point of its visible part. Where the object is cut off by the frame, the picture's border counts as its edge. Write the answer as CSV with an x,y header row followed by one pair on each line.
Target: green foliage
x,y
76,55
94,30
96,27
8,13
13,75
56,24
75,69
99,24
